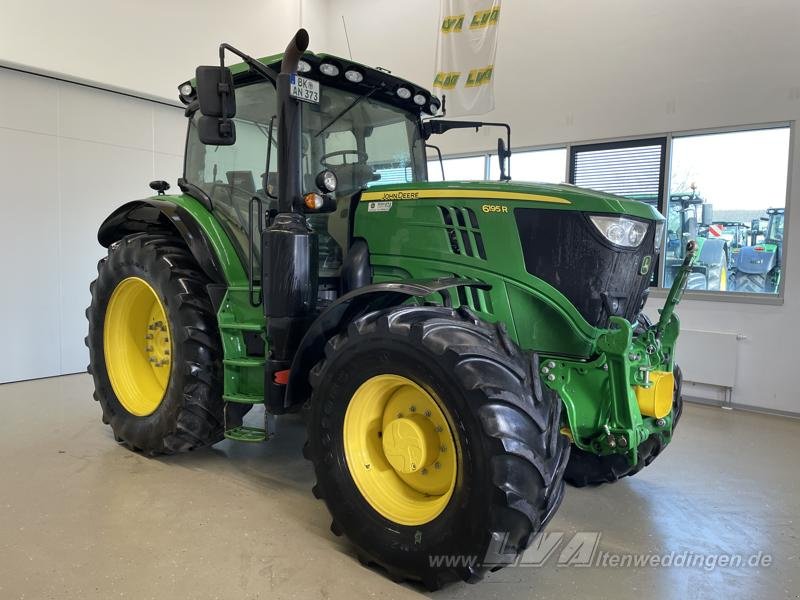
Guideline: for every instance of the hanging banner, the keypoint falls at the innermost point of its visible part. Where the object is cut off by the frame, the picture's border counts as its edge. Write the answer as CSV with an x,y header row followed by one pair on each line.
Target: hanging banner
x,y
465,52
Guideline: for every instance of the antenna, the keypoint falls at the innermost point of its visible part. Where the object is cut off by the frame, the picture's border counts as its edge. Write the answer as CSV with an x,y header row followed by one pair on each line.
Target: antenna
x,y
347,37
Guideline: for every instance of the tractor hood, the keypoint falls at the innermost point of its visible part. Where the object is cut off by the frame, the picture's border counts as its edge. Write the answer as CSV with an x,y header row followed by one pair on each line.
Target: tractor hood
x,y
558,196
528,234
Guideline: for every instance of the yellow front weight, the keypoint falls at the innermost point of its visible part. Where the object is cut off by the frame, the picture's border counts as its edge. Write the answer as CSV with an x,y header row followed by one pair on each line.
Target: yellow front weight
x,y
656,400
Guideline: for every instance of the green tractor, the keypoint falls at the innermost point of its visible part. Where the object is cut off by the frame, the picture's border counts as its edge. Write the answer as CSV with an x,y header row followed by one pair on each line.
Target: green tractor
x,y
735,233
690,218
459,350
757,267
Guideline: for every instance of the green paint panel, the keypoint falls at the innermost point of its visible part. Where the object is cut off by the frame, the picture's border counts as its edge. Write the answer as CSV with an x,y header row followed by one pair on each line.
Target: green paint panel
x,y
229,262
577,198
243,373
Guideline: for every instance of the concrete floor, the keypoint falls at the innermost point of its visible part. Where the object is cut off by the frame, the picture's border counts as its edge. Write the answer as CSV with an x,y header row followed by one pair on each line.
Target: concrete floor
x,y
81,517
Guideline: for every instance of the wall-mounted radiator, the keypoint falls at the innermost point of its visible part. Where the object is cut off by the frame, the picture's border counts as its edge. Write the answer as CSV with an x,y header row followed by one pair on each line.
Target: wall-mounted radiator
x,y
709,357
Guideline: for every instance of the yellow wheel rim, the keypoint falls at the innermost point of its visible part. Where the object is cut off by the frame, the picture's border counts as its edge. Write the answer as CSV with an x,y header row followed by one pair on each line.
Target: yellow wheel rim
x,y
137,346
400,449
723,278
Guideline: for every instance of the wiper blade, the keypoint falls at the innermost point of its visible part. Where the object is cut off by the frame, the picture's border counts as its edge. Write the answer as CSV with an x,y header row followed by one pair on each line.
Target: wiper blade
x,y
353,104
263,70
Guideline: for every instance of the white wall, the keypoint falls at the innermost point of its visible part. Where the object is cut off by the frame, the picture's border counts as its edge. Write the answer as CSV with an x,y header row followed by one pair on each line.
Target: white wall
x,y
68,156
148,46
576,71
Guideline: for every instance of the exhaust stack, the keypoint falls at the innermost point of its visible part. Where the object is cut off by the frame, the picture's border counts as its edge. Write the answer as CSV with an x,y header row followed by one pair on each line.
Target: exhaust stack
x,y
289,248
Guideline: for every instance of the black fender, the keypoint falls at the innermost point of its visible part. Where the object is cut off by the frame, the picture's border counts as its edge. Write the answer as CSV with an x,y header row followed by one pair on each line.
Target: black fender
x,y
349,307
150,213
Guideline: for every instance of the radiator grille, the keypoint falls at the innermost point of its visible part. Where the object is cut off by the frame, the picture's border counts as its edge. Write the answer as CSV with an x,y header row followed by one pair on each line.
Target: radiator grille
x,y
475,298
463,231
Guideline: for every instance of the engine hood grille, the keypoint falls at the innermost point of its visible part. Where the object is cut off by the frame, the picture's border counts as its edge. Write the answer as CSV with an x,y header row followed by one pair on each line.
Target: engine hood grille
x,y
601,280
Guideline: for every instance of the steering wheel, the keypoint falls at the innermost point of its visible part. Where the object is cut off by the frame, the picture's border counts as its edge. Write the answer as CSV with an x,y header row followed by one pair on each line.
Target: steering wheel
x,y
324,162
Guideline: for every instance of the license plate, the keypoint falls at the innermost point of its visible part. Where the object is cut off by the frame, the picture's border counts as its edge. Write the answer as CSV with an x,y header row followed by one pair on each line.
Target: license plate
x,y
306,90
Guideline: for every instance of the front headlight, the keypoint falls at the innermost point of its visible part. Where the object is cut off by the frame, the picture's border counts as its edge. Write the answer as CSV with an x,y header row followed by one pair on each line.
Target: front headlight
x,y
659,235
620,231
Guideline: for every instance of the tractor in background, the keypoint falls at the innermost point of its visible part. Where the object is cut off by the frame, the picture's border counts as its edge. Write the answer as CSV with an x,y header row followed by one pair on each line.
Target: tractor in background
x,y
689,217
757,267
735,233
460,350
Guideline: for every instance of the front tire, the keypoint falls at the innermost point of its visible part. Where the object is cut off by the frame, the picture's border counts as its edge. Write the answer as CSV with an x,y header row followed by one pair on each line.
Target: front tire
x,y
718,276
154,346
509,454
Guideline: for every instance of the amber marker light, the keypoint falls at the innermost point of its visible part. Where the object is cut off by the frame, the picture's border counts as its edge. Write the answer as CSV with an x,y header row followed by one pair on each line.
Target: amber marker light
x,y
313,201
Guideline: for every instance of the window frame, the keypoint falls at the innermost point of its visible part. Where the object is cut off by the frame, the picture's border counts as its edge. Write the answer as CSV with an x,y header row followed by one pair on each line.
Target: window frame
x,y
776,299
445,157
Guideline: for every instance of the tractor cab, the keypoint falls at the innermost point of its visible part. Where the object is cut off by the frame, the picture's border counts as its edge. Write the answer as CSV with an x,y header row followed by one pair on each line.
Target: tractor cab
x,y
735,233
690,217
774,233
359,127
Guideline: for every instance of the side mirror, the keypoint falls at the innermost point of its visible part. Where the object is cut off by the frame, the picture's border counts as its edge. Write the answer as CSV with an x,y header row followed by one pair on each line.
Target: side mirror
x,y
502,155
708,215
215,94
755,225
160,186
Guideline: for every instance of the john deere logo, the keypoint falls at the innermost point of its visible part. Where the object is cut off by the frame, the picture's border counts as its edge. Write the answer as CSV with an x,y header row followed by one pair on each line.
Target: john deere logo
x,y
645,268
453,24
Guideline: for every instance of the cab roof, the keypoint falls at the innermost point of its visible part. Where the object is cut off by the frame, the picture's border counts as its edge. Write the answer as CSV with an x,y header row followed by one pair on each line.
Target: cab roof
x,y
378,83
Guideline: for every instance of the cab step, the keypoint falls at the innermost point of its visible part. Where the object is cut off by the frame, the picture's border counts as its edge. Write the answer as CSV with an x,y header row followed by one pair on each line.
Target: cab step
x,y
244,433
244,362
240,326
243,398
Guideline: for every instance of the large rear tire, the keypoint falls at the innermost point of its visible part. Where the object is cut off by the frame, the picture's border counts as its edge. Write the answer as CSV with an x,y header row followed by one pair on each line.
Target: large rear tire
x,y
154,346
475,389
752,283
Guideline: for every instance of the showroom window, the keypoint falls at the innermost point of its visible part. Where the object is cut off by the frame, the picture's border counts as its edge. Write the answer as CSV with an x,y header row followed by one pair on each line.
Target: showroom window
x,y
458,169
632,168
547,166
728,192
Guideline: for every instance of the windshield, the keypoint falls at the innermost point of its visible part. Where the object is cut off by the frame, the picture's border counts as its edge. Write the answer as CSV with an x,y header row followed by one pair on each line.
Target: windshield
x,y
775,231
681,227
370,143
365,143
